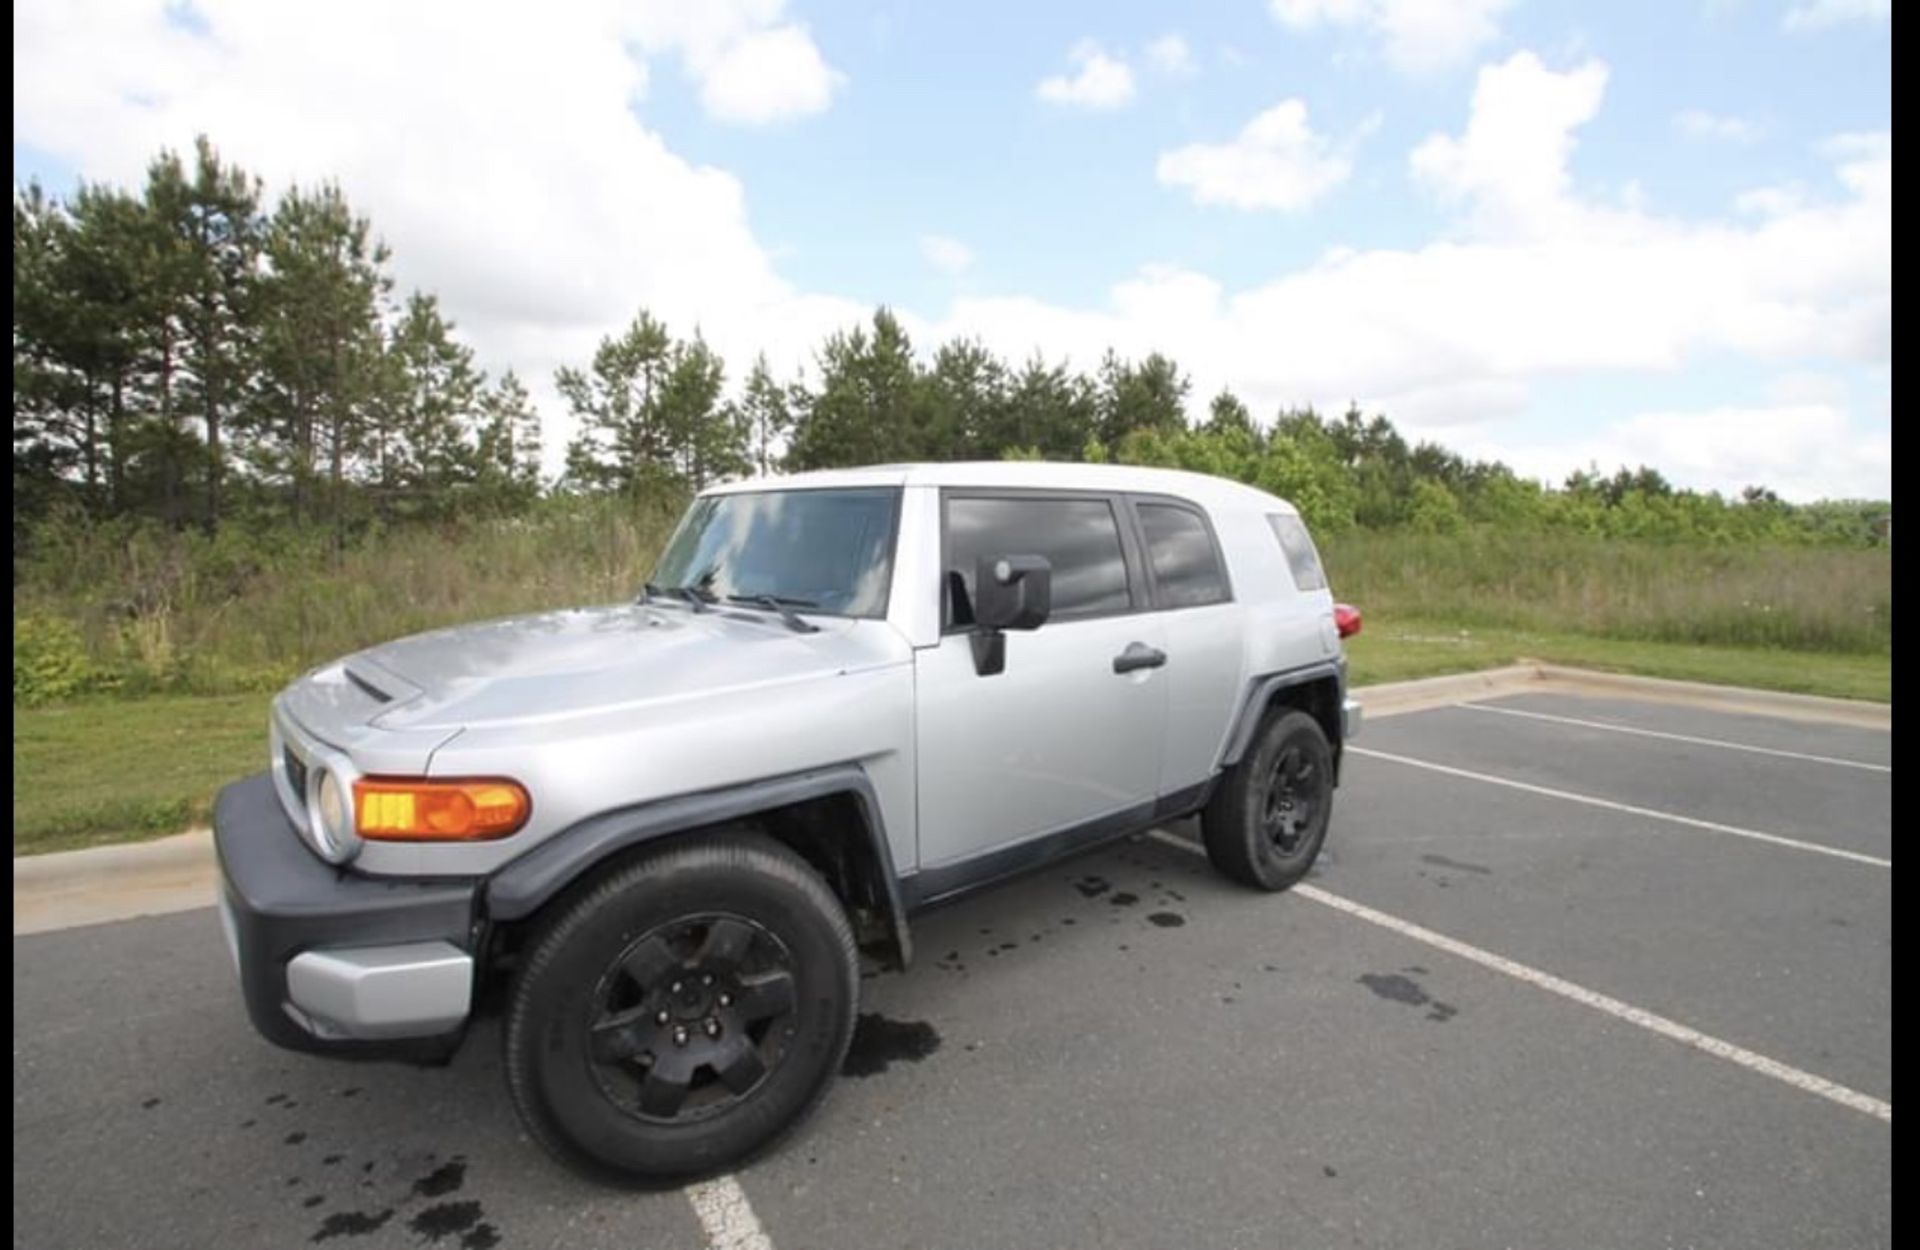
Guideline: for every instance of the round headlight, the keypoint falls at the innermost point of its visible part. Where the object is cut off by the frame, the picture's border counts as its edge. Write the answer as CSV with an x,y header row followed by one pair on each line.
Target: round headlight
x,y
333,818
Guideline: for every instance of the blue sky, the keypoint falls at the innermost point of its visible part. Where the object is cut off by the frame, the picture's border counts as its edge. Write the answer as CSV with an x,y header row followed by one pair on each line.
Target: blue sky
x,y
1545,232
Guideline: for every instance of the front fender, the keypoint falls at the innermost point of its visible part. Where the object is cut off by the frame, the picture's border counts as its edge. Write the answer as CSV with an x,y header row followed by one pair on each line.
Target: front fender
x,y
528,883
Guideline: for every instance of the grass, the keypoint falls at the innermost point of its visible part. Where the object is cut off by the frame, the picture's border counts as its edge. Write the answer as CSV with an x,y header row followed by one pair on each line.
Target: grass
x,y
150,610
1826,599
1402,650
191,631
115,770
120,770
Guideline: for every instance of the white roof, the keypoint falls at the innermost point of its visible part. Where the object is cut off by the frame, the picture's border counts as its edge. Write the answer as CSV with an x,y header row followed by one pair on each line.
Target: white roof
x,y
1202,488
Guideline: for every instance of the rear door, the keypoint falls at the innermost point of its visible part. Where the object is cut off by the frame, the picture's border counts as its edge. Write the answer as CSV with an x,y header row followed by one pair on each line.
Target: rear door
x,y
1193,600
1059,739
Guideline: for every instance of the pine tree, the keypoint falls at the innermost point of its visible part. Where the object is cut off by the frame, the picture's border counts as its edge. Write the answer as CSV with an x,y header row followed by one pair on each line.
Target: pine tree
x,y
320,344
509,446
207,271
868,407
766,408
623,441
431,454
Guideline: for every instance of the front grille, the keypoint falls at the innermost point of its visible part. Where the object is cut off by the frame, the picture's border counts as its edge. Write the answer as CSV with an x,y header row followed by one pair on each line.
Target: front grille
x,y
296,773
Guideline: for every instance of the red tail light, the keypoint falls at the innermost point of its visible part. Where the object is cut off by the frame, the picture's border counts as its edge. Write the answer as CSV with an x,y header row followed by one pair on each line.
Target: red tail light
x,y
1346,618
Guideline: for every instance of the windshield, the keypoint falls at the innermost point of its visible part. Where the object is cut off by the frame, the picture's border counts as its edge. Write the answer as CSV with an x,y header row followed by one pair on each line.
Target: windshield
x,y
826,551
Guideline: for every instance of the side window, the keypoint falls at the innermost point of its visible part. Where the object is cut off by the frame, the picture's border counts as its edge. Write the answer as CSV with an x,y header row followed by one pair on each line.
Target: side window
x,y
1186,567
1079,537
1301,556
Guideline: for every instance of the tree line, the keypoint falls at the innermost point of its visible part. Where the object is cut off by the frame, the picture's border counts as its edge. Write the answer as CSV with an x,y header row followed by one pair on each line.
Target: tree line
x,y
191,354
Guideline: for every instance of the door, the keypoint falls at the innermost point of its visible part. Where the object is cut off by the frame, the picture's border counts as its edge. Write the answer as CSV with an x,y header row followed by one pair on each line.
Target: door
x,y
1205,634
1059,738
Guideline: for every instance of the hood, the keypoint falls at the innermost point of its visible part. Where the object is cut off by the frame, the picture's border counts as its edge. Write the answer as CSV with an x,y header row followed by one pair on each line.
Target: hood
x,y
560,663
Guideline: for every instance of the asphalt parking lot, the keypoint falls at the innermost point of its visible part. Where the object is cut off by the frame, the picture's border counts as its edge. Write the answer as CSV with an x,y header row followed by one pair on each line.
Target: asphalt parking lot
x,y
1573,972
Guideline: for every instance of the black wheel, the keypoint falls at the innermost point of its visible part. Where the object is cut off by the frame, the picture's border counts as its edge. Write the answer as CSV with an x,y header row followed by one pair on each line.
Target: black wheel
x,y
684,1012
1265,824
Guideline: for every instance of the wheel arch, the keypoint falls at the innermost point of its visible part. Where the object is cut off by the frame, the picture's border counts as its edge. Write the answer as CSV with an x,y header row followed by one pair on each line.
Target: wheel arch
x,y
1317,689
830,817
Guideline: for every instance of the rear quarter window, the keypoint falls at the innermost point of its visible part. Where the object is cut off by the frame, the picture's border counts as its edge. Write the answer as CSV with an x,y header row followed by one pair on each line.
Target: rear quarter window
x,y
1180,550
1302,558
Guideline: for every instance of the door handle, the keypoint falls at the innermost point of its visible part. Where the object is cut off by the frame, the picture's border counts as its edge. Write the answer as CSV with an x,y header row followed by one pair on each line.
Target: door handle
x,y
1138,655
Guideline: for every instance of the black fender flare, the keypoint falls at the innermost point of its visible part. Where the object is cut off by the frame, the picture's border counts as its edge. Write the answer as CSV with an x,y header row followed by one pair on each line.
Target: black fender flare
x,y
526,884
1260,692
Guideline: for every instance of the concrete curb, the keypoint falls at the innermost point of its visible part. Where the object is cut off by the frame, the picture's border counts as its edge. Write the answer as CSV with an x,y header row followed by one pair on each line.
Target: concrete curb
x,y
69,888
1807,707
1396,697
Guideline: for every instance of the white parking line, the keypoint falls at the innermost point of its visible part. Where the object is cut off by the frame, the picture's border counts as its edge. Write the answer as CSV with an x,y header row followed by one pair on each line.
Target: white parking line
x,y
1673,1029
1673,737
1692,821
727,1216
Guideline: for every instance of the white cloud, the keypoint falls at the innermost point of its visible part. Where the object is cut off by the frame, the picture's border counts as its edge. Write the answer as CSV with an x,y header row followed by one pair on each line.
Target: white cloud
x,y
1511,163
1535,282
1821,14
751,67
1802,451
1771,201
947,254
1700,124
767,76
499,157
1417,36
1171,54
503,161
1276,161
1099,81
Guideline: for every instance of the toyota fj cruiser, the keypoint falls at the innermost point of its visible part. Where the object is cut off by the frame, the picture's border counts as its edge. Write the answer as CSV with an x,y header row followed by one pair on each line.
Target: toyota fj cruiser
x,y
669,828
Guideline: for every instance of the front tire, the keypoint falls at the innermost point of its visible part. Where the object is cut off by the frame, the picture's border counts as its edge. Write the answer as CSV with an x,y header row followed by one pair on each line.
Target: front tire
x,y
1265,825
683,1013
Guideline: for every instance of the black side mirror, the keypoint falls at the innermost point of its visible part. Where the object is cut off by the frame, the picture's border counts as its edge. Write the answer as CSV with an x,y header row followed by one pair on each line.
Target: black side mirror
x,y
1009,592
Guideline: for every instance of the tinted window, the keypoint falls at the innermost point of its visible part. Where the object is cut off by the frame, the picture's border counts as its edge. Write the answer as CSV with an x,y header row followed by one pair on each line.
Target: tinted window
x,y
1186,568
825,551
1080,537
1301,557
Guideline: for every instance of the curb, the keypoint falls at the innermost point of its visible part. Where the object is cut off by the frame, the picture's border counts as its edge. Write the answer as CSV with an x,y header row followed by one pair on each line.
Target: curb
x,y
103,883
1396,697
63,870
178,873
1808,707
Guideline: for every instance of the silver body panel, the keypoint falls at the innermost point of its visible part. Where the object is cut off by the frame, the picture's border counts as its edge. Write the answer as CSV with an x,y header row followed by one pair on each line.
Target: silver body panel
x,y
600,709
1056,740
371,993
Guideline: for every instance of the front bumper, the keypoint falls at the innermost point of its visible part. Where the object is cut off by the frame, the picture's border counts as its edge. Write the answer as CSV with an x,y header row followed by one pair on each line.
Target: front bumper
x,y
333,961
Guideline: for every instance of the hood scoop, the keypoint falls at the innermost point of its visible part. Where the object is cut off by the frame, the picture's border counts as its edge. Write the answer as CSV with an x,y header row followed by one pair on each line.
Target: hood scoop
x,y
366,686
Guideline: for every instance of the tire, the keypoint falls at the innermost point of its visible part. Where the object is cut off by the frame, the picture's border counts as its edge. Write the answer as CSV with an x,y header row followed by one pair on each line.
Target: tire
x,y
748,956
1266,837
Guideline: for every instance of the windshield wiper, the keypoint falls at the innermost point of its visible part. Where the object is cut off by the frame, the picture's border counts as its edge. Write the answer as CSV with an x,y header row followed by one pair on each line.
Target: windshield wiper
x,y
686,594
777,603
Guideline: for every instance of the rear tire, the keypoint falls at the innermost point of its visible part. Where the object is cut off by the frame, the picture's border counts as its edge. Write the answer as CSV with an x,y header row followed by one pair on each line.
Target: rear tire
x,y
683,1013
1266,823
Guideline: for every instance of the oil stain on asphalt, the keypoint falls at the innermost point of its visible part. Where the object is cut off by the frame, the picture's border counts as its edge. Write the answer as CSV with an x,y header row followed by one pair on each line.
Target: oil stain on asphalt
x,y
352,1224
1441,861
879,1042
443,1180
1396,988
447,1219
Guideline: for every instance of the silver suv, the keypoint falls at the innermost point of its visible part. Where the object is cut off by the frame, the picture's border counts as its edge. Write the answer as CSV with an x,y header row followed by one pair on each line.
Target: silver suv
x,y
671,827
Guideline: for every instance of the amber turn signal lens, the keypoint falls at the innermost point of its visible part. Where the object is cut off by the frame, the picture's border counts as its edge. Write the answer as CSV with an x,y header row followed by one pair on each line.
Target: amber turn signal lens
x,y
395,809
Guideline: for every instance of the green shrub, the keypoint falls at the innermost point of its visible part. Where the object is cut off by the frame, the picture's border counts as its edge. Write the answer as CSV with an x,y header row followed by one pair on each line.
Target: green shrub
x,y
50,661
